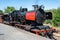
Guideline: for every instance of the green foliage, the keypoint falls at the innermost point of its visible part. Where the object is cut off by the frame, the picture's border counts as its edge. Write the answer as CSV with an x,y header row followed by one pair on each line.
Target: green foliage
x,y
48,21
9,9
56,17
1,12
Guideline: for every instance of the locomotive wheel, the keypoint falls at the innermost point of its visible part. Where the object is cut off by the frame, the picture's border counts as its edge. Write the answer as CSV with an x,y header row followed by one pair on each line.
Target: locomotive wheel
x,y
50,35
28,28
22,20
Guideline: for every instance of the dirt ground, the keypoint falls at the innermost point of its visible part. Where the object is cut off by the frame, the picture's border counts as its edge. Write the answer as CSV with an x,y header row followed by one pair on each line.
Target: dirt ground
x,y
11,33
58,38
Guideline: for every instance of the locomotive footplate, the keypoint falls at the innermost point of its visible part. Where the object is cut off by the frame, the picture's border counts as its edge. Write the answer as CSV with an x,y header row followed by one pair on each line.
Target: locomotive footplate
x,y
38,31
25,27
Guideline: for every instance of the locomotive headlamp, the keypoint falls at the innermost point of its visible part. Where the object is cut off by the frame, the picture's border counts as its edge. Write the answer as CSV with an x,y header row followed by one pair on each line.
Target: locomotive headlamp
x,y
48,15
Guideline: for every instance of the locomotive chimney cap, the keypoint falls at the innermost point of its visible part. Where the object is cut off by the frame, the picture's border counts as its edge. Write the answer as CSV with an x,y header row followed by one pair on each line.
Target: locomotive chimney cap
x,y
35,6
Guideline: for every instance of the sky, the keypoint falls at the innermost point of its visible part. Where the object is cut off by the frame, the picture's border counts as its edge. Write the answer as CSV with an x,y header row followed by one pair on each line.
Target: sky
x,y
49,4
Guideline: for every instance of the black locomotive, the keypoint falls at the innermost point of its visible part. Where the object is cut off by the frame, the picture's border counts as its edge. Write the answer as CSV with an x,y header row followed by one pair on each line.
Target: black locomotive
x,y
34,18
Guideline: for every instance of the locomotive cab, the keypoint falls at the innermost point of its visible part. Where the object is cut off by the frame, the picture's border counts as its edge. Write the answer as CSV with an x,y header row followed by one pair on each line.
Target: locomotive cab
x,y
23,9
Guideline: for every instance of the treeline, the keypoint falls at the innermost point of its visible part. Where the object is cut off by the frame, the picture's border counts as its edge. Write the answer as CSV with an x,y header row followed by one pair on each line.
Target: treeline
x,y
7,10
56,17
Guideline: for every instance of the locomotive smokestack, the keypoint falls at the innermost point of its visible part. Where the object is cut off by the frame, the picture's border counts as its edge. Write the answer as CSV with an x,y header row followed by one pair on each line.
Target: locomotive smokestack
x,y
35,7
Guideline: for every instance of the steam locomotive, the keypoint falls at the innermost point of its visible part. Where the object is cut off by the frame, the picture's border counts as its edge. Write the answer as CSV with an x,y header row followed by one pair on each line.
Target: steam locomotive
x,y
35,18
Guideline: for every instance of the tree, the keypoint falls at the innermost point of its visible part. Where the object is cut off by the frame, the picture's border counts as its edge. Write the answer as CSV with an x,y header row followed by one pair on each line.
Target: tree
x,y
9,9
1,12
56,17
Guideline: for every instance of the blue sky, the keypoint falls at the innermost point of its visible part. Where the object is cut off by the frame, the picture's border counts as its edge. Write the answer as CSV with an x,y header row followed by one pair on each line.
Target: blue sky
x,y
49,4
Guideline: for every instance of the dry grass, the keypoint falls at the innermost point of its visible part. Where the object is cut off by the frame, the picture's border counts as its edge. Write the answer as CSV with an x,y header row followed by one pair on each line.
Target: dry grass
x,y
56,27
